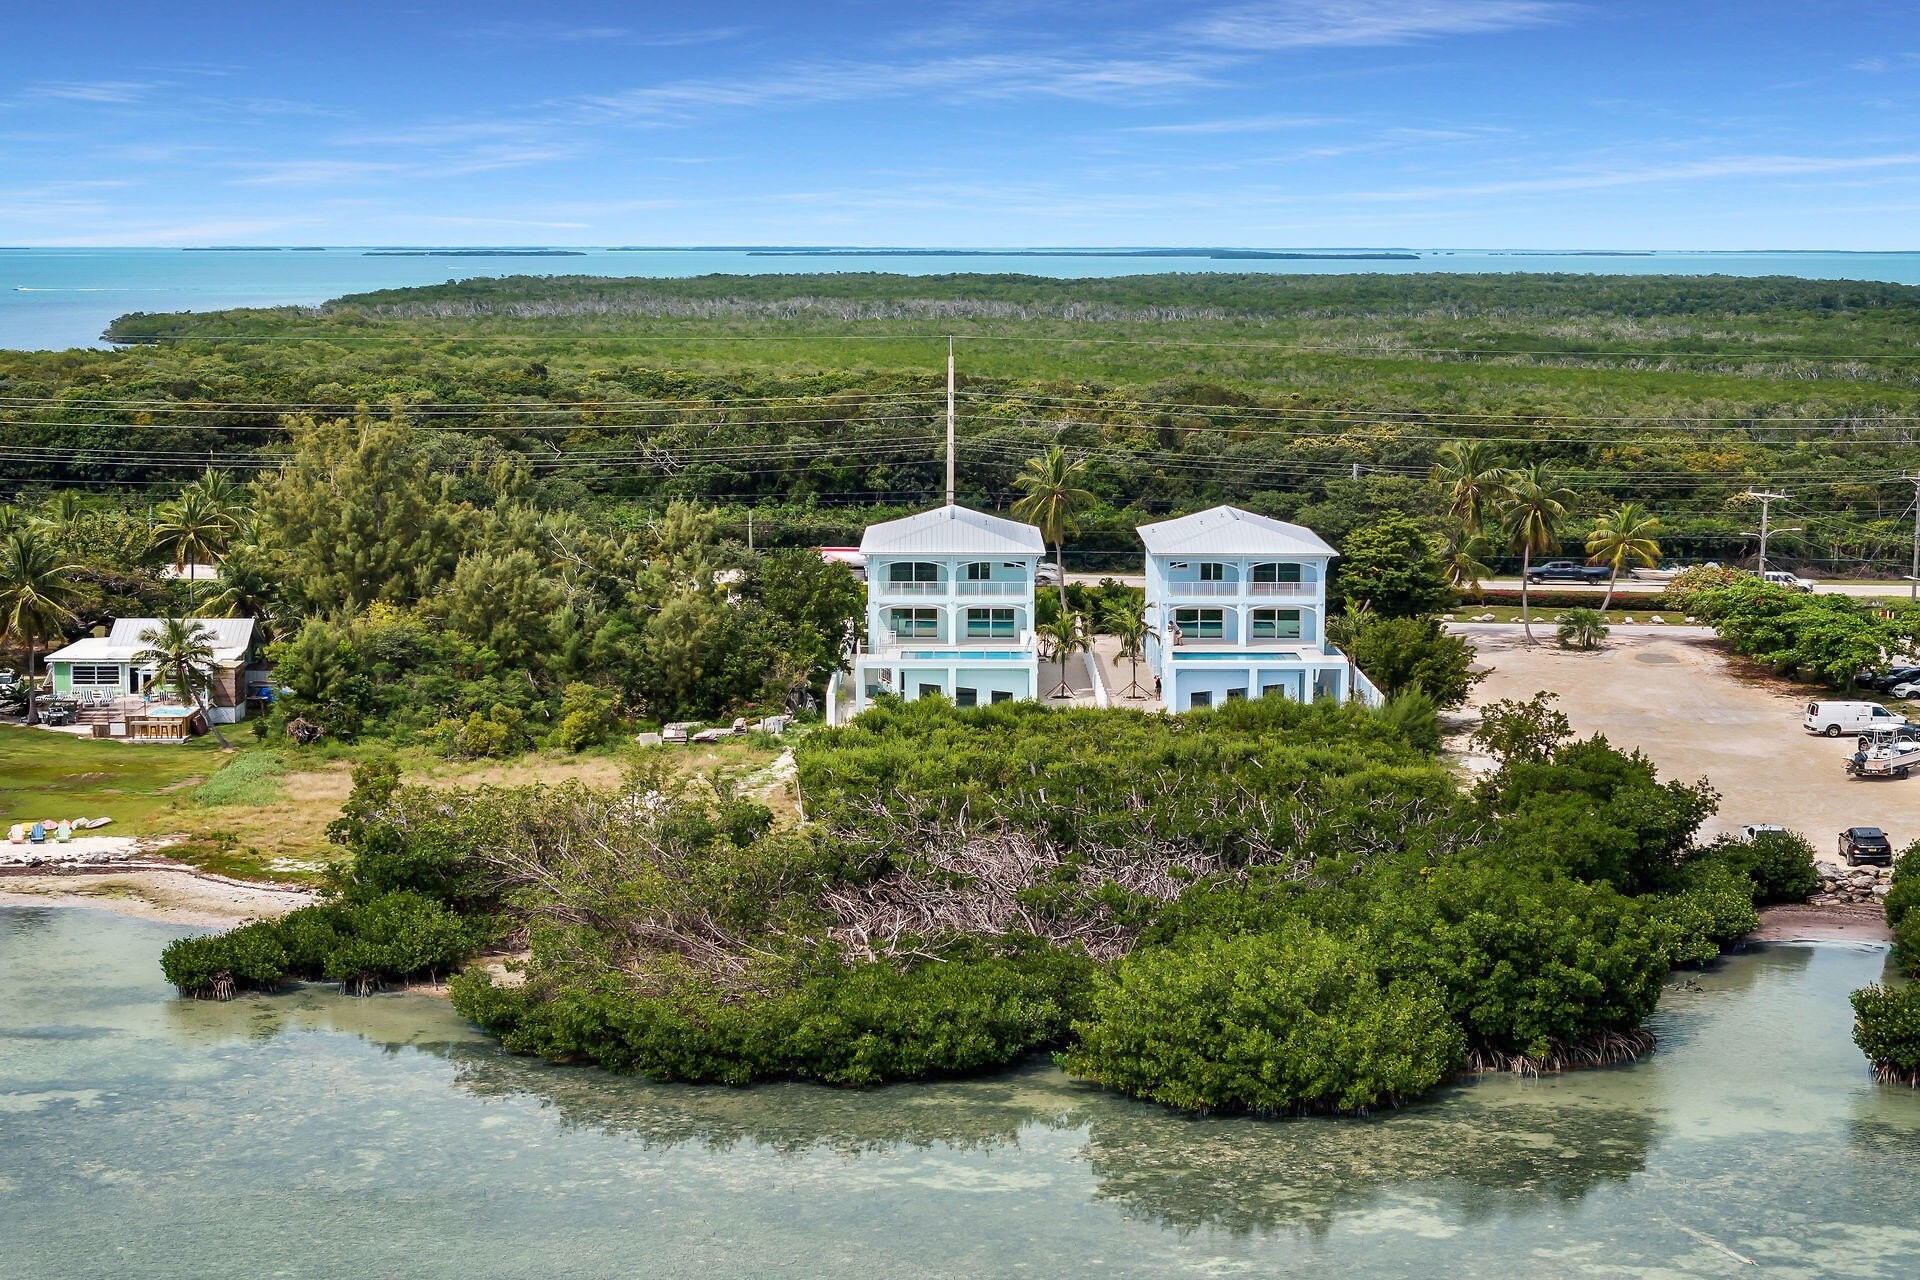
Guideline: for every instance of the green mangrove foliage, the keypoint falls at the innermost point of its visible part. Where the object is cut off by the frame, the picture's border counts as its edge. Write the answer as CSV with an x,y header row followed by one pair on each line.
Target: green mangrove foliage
x,y
1267,906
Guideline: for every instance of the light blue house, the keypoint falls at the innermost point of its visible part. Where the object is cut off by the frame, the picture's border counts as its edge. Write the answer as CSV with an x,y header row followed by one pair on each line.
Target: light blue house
x,y
1237,607
949,609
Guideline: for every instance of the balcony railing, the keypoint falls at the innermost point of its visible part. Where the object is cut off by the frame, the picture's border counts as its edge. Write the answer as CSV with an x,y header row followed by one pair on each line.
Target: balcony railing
x,y
992,588
913,588
1217,590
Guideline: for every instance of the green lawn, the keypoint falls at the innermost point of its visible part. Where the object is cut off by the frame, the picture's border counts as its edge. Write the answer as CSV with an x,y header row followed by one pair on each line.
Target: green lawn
x,y
55,775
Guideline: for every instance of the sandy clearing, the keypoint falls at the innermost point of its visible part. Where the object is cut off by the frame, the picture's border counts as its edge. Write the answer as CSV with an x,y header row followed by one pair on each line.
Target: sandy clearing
x,y
1675,695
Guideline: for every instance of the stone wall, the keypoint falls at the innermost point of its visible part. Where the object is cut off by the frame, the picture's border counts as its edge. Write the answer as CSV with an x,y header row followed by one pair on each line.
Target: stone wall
x,y
1841,883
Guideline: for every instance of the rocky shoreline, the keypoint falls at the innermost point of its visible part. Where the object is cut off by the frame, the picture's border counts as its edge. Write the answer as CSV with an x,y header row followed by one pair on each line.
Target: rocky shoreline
x,y
1842,885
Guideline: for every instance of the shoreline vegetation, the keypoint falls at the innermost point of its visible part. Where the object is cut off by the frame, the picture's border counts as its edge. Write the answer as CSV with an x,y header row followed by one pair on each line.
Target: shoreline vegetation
x,y
1329,924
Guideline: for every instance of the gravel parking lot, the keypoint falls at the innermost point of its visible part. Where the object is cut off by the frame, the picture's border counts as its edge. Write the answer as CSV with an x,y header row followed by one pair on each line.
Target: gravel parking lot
x,y
1674,695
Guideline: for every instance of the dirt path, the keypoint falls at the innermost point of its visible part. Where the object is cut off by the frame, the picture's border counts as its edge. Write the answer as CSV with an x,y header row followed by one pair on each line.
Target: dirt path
x,y
1674,695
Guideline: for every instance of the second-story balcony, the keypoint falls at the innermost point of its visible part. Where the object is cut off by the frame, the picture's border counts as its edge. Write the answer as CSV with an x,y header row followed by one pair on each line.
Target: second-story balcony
x,y
916,590
1215,590
964,588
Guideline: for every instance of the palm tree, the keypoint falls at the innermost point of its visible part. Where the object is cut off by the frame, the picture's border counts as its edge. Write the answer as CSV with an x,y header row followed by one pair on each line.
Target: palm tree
x,y
1127,623
184,650
35,592
65,511
1472,480
193,530
248,588
1622,537
1061,639
222,494
1531,510
12,520
1051,500
1460,562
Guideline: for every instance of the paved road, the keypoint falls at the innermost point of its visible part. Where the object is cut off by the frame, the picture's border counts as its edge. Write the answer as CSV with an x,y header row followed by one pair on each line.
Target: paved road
x,y
1891,590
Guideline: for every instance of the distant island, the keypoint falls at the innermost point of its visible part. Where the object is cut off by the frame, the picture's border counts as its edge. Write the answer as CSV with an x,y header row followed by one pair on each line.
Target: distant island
x,y
1219,255
474,253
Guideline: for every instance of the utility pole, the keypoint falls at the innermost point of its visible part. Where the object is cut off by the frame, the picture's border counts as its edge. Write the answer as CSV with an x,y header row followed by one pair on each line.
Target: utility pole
x,y
949,421
749,528
1766,501
1913,579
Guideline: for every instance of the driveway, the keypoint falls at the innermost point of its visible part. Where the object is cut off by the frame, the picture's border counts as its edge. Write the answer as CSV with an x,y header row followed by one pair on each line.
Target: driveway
x,y
1674,695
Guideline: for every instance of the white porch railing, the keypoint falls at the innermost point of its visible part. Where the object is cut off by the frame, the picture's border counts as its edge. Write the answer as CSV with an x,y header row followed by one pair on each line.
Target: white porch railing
x,y
992,588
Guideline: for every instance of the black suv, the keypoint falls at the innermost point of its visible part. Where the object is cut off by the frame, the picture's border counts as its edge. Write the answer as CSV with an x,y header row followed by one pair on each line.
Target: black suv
x,y
1568,571
1866,844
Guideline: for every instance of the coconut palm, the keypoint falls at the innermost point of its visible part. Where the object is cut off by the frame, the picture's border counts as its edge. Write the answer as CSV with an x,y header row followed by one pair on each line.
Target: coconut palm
x,y
12,520
183,650
1461,563
65,511
1623,537
223,495
192,530
1061,639
1127,623
1531,509
36,591
1052,498
1472,481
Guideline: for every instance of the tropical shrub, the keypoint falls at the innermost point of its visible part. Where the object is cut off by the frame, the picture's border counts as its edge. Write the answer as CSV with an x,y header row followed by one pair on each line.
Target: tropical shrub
x,y
1712,910
1906,944
1779,863
1292,1021
1886,1026
1582,629
1390,566
1904,896
1402,655
586,717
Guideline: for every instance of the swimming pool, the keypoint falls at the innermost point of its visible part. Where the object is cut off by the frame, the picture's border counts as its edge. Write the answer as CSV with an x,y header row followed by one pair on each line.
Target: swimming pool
x,y
168,713
971,655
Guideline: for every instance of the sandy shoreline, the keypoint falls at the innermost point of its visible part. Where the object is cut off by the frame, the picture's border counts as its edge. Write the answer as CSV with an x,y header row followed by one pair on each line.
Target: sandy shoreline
x,y
167,894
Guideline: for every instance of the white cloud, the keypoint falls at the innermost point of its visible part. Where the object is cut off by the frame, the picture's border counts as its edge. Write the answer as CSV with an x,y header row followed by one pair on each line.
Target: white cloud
x,y
106,92
1296,24
1692,171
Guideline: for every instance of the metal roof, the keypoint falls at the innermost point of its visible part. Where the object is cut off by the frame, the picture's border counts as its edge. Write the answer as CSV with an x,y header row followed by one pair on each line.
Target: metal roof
x,y
952,530
1229,531
232,637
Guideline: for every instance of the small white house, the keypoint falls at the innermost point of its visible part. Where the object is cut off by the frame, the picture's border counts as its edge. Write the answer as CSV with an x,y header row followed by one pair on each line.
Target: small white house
x,y
104,665
949,609
1236,605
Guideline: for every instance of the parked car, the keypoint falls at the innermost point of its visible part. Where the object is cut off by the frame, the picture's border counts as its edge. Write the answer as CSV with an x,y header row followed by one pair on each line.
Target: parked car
x,y
1756,829
1568,571
1866,844
1905,689
1791,581
1836,718
1046,574
1884,681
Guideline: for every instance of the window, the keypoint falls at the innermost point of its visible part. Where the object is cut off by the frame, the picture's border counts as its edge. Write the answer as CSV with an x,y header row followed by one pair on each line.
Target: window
x,y
980,571
1201,624
1003,695
915,624
913,571
932,690
965,697
1213,571
989,624
1276,624
1273,689
94,677
1276,573
1236,695
1199,698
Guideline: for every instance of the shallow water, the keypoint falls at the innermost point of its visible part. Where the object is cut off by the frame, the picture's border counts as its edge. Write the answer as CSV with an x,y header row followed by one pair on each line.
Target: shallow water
x,y
312,1135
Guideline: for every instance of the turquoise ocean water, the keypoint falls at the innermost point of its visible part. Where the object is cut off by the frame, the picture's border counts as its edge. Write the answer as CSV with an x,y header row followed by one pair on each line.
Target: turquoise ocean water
x,y
55,298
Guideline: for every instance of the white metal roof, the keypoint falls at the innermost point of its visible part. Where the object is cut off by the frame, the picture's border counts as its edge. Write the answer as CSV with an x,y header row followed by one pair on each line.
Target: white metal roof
x,y
952,530
232,637
1229,531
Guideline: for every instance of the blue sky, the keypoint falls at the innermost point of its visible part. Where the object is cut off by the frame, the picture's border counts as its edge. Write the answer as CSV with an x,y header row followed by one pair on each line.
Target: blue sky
x,y
1456,123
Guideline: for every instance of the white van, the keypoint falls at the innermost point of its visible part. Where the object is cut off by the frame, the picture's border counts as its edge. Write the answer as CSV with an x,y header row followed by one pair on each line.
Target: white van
x,y
1836,718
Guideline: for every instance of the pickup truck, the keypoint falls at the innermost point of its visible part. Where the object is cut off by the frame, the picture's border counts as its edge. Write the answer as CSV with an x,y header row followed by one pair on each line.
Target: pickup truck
x,y
1791,581
1568,571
